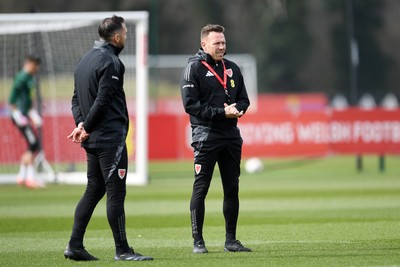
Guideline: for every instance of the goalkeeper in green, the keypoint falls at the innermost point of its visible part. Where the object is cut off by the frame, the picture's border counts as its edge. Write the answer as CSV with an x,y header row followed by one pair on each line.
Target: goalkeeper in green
x,y
26,118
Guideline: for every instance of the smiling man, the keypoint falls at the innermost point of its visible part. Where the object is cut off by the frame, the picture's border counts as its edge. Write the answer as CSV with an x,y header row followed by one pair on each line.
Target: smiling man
x,y
215,97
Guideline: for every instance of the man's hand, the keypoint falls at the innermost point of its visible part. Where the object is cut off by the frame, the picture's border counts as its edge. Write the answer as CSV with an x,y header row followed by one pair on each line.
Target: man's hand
x,y
79,134
231,112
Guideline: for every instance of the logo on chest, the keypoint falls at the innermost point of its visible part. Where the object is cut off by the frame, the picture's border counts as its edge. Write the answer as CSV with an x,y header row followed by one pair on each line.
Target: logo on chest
x,y
209,74
229,72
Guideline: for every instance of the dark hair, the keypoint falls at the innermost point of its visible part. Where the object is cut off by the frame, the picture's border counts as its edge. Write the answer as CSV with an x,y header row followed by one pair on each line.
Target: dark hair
x,y
211,28
33,58
109,26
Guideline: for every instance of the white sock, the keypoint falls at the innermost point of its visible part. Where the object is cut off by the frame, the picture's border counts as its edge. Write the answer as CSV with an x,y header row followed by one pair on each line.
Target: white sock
x,y
30,172
22,172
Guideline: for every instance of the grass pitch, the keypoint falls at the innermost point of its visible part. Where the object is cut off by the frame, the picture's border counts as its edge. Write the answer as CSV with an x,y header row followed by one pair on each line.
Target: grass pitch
x,y
318,212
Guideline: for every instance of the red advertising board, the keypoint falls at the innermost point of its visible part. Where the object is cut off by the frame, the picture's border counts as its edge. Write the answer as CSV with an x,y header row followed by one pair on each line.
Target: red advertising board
x,y
285,134
364,132
352,131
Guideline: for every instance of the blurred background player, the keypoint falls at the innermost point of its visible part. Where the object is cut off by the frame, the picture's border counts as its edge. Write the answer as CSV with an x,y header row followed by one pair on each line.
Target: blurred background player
x,y
27,119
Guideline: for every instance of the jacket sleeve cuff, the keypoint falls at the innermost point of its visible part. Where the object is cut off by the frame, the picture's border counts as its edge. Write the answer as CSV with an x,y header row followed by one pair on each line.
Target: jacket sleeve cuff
x,y
86,127
220,113
240,108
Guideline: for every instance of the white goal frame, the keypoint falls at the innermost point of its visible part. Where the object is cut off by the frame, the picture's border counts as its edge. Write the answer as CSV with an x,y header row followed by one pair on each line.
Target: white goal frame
x,y
66,20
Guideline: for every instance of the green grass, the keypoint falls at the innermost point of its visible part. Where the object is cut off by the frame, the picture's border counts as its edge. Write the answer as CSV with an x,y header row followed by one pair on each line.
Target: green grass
x,y
317,212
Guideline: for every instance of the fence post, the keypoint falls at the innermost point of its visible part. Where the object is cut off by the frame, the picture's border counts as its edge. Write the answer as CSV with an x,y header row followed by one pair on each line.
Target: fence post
x,y
381,163
359,163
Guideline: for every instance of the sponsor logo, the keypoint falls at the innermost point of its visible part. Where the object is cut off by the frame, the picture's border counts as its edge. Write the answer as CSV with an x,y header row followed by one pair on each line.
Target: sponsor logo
x,y
197,168
188,85
232,83
121,173
229,72
115,78
209,74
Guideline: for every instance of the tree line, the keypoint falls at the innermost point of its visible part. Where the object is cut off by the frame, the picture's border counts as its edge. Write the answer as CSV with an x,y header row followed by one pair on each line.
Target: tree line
x,y
300,45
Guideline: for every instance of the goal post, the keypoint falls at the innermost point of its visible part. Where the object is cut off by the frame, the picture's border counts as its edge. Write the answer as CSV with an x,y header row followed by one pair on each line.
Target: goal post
x,y
142,101
60,39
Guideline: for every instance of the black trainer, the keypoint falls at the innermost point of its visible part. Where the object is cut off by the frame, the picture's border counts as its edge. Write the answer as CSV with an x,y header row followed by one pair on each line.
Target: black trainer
x,y
235,246
79,254
200,247
132,256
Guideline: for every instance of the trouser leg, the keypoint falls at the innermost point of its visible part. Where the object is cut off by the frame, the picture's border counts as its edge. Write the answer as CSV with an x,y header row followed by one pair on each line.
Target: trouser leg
x,y
229,165
95,190
114,166
204,163
30,136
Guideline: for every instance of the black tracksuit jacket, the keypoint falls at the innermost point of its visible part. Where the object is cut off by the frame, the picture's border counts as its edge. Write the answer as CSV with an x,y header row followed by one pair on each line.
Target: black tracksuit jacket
x,y
99,98
203,98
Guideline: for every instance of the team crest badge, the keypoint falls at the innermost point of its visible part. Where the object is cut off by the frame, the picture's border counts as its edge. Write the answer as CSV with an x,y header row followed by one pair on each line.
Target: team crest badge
x,y
197,168
229,72
121,173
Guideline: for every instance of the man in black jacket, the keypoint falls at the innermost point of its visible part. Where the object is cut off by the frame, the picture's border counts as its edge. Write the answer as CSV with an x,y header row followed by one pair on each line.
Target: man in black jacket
x,y
101,118
214,95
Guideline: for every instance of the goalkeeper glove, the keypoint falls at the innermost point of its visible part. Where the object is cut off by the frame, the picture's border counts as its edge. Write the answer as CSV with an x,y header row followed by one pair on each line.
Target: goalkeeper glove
x,y
35,117
20,119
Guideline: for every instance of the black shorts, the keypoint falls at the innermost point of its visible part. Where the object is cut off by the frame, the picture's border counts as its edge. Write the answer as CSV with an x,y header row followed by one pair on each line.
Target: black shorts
x,y
30,136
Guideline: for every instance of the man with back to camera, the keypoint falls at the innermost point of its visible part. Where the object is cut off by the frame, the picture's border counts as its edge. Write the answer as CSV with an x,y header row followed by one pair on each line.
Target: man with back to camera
x,y
26,118
101,118
214,95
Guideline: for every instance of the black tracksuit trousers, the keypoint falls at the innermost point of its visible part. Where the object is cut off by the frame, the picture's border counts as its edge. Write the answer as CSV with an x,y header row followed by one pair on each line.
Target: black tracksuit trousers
x,y
106,173
227,153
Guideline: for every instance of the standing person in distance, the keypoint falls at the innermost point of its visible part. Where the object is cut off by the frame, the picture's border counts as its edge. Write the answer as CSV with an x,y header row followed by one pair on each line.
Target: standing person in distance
x,y
101,118
215,97
26,118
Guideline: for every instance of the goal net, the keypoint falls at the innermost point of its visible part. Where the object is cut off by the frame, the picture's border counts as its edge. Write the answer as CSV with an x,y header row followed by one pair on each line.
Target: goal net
x,y
60,40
